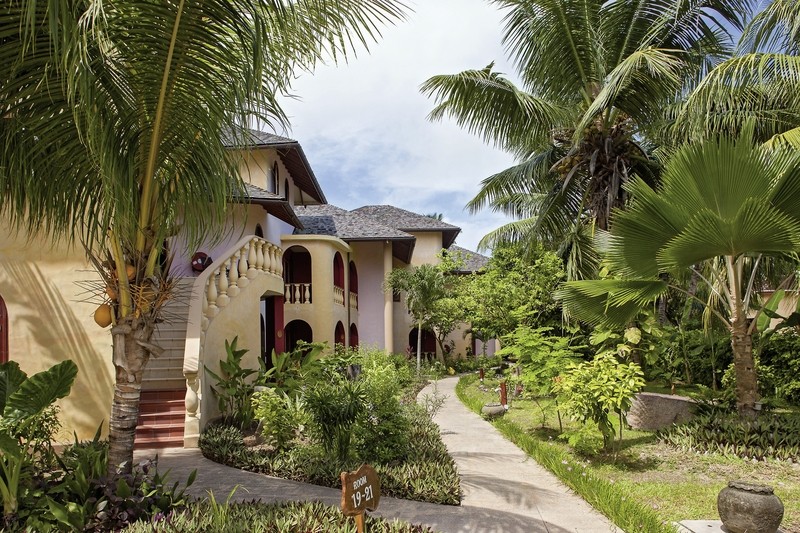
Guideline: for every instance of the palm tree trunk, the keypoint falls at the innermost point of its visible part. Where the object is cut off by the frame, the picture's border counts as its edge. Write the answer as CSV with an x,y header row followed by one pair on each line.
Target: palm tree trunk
x,y
419,345
131,345
745,369
741,344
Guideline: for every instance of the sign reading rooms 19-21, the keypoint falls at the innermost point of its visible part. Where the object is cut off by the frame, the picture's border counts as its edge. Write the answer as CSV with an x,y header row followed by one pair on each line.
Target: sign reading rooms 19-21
x,y
361,490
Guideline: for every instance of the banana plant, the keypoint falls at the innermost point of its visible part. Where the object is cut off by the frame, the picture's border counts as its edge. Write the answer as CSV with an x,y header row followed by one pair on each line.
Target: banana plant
x,y
22,399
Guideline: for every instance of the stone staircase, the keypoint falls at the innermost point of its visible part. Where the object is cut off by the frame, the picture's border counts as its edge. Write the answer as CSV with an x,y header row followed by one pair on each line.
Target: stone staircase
x,y
161,419
162,410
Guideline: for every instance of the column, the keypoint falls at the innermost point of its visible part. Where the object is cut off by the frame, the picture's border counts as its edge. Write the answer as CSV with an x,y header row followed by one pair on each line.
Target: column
x,y
388,301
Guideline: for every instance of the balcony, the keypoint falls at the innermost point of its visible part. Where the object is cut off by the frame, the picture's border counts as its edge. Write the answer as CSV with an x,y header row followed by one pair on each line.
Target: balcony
x,y
297,293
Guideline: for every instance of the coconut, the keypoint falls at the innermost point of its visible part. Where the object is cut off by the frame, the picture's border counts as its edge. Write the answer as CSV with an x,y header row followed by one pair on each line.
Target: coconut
x,y
102,315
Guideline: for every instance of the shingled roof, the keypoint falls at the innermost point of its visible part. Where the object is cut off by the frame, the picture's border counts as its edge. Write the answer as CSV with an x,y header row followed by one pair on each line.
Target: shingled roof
x,y
401,219
351,226
290,152
272,203
473,261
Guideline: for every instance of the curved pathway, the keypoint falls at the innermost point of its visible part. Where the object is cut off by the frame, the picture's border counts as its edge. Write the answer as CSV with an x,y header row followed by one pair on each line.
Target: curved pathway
x,y
504,490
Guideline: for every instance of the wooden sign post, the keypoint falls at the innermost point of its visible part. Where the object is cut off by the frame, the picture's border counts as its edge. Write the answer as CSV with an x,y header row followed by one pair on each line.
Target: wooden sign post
x,y
361,491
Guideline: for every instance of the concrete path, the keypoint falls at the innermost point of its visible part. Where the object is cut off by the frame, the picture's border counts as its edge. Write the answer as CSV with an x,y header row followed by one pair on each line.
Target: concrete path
x,y
504,490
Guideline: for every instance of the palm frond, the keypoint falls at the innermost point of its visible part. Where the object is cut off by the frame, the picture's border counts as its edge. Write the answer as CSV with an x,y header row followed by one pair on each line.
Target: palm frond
x,y
609,302
489,105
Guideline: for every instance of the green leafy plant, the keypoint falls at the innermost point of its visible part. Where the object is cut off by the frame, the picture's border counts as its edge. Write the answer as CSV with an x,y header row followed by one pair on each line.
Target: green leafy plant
x,y
595,389
279,417
22,400
290,370
770,436
334,409
233,388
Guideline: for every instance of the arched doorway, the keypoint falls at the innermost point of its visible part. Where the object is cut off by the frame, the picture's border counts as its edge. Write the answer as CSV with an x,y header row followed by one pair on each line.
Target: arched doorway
x,y
259,231
338,334
428,341
338,279
353,336
297,330
3,331
297,275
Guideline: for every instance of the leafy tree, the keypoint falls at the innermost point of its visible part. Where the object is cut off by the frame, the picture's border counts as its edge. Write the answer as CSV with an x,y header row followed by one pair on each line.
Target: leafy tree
x,y
515,289
595,76
724,200
114,115
424,286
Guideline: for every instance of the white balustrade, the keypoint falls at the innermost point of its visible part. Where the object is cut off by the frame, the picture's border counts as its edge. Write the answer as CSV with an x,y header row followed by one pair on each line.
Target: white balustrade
x,y
338,295
353,297
213,290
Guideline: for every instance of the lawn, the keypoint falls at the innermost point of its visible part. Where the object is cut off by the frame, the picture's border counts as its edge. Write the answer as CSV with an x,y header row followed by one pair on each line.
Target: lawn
x,y
673,484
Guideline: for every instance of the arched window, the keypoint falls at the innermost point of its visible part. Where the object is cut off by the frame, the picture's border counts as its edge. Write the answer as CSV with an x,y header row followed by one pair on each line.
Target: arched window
x,y
297,275
273,179
353,278
338,334
338,271
259,231
3,331
353,336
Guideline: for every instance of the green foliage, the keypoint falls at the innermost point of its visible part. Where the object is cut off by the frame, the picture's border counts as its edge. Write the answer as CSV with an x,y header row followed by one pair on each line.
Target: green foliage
x,y
770,436
279,417
516,289
586,441
262,517
26,404
595,389
233,389
354,421
334,409
542,357
779,367
290,370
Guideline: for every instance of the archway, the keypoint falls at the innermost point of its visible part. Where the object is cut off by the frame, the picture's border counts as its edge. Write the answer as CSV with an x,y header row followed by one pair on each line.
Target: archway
x,y
3,331
428,341
259,231
297,275
353,336
338,271
297,330
353,285
338,335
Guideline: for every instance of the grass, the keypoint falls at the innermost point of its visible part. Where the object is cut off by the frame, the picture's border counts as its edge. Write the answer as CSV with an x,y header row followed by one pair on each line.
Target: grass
x,y
643,480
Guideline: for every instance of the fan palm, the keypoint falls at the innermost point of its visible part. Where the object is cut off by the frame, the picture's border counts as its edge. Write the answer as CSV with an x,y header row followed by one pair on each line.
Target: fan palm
x,y
725,200
594,75
113,118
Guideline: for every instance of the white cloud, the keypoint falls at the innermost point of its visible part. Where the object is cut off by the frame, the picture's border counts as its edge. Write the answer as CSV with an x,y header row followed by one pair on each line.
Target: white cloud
x,y
363,124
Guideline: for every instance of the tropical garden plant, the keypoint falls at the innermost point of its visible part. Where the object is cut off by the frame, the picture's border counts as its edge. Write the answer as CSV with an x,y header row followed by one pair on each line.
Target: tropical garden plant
x,y
115,123
595,78
725,200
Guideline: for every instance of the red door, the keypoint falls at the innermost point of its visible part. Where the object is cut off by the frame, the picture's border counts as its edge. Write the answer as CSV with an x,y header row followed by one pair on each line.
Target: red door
x,y
3,331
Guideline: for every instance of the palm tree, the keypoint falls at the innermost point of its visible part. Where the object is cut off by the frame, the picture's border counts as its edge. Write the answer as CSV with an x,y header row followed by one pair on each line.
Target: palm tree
x,y
595,75
424,286
761,82
113,118
726,200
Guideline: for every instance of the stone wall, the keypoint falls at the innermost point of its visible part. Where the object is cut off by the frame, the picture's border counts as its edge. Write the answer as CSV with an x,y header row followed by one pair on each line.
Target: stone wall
x,y
652,411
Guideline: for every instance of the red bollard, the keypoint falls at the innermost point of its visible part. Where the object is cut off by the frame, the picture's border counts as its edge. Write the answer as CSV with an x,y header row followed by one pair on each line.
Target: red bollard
x,y
480,373
504,395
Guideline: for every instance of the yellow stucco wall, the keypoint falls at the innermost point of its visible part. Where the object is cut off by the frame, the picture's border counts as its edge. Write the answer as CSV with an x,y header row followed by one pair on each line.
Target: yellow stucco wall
x,y
322,315
427,247
50,321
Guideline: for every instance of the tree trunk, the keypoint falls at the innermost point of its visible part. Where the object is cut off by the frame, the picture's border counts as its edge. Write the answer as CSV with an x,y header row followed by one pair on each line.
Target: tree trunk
x,y
745,369
419,345
131,345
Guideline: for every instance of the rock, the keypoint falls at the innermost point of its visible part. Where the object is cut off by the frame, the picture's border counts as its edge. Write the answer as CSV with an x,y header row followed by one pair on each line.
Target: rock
x,y
493,410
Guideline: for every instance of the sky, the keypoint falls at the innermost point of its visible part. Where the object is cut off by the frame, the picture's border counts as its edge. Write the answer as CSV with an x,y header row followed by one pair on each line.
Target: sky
x,y
363,124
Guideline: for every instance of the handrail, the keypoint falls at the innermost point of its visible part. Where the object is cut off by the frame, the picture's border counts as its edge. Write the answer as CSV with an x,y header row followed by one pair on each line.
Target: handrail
x,y
212,290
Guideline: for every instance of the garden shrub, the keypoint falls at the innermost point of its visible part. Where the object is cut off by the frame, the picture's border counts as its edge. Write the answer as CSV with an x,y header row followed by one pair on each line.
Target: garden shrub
x,y
233,385
259,517
779,367
280,418
770,436
334,407
595,389
586,441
